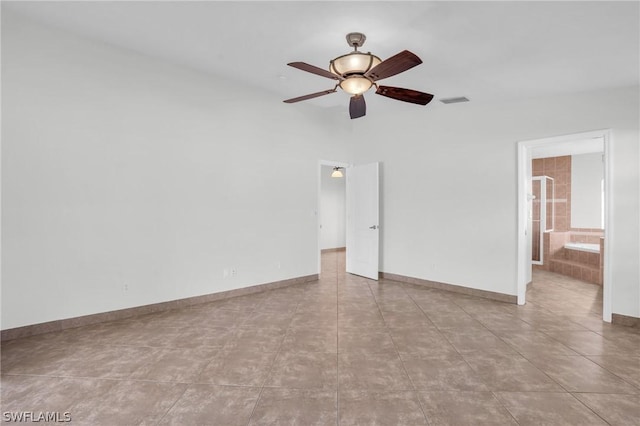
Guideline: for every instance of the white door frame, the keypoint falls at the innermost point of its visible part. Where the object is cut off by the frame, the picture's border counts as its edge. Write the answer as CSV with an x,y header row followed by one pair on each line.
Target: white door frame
x,y
524,176
318,218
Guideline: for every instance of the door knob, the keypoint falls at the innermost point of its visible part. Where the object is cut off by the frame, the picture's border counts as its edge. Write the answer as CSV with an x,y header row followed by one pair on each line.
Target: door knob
x,y
373,227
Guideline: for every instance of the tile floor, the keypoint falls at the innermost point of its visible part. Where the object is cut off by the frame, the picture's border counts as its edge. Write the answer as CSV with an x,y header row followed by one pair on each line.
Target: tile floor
x,y
344,350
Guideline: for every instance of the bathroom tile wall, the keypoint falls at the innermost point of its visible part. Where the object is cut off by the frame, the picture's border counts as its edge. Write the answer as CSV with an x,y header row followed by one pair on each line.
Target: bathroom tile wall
x,y
586,235
558,168
581,265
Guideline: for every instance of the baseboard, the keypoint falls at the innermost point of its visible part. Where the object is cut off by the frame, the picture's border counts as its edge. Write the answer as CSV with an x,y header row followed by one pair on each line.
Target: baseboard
x,y
625,320
333,250
63,324
500,297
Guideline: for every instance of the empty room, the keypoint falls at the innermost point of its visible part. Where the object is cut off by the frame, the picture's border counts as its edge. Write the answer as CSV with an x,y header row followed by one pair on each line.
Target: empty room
x,y
320,213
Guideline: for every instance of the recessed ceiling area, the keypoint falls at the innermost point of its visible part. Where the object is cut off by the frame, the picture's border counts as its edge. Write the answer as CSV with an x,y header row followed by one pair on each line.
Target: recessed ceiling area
x,y
486,51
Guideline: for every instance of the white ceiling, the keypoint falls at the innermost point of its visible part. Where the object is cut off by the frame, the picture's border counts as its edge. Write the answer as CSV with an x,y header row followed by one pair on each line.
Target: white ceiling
x,y
486,51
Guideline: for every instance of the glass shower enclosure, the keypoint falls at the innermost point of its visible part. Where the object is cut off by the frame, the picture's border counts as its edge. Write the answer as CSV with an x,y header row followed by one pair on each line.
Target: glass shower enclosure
x,y
542,214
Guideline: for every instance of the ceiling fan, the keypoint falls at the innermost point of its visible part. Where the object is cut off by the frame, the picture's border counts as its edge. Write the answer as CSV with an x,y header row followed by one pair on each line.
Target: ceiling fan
x,y
357,72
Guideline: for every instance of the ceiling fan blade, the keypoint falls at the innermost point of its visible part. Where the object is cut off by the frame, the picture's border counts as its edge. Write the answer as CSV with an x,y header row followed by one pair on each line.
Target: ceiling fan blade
x,y
405,95
309,96
313,70
357,107
394,65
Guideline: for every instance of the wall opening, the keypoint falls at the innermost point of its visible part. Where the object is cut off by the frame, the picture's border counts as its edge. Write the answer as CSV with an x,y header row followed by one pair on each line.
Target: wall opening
x,y
331,210
576,246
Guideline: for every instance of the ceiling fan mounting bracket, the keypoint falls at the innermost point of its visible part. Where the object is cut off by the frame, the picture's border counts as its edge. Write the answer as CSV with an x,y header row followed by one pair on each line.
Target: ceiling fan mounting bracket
x,y
356,40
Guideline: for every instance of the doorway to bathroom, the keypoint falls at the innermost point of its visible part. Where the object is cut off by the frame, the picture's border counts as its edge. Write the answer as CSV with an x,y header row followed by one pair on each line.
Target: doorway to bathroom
x,y
564,210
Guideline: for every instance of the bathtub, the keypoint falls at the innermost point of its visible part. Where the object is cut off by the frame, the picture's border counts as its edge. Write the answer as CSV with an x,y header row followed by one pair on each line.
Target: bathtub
x,y
591,248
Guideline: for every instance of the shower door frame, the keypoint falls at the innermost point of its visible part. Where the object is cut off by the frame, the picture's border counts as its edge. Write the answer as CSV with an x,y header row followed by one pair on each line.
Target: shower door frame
x,y
544,201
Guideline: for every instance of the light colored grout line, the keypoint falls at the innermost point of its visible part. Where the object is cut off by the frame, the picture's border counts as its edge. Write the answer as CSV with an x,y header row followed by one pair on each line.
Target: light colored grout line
x,y
506,343
453,346
493,393
404,368
275,358
402,361
174,403
588,408
469,365
624,379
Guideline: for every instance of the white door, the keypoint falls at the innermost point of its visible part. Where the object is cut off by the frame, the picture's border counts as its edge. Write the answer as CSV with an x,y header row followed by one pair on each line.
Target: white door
x,y
362,220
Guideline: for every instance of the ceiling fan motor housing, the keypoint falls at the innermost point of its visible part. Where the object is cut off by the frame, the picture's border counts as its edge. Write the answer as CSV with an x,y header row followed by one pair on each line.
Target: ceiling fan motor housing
x,y
356,40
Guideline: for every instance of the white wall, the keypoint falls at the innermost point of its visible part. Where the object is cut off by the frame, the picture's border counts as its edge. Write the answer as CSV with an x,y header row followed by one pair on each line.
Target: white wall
x,y
449,207
119,170
586,190
332,210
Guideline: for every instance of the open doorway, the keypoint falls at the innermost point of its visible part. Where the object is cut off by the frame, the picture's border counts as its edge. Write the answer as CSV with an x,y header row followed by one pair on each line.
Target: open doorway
x,y
564,210
331,210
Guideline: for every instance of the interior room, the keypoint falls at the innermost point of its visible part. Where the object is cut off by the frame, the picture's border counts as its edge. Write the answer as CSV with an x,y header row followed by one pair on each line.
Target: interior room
x,y
175,250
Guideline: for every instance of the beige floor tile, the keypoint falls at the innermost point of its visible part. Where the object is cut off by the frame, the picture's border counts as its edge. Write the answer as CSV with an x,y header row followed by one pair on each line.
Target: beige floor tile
x,y
510,373
470,341
615,409
404,305
464,409
256,339
175,365
209,405
407,320
544,320
587,342
41,361
455,321
502,322
304,370
548,408
625,367
361,407
295,407
443,373
361,319
128,402
422,342
272,358
241,368
530,342
311,340
579,374
41,393
378,372
270,320
365,342
326,321
200,337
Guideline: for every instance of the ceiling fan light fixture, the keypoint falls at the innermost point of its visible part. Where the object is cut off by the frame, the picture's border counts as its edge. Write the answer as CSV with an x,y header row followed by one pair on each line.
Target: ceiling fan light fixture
x,y
357,72
353,63
356,85
336,173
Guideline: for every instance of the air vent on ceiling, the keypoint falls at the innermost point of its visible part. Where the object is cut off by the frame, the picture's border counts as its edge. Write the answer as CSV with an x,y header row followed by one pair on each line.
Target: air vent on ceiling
x,y
454,100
